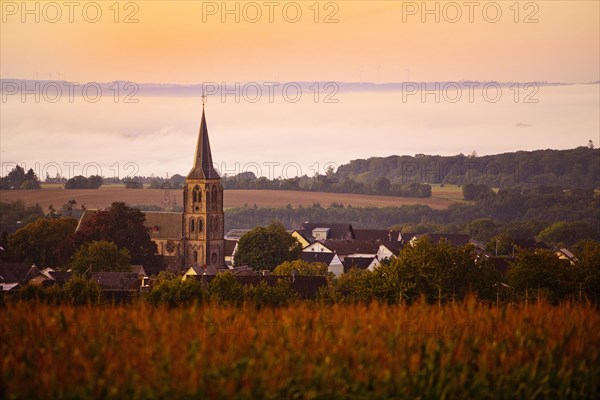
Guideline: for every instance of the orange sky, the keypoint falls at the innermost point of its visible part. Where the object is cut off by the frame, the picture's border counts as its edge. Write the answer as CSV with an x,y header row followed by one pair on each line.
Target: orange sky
x,y
182,42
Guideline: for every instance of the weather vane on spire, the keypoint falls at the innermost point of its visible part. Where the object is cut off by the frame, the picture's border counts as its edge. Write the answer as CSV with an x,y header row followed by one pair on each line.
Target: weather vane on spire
x,y
203,97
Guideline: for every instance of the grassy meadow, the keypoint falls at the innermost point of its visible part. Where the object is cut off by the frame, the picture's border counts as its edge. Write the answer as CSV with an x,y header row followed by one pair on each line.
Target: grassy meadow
x,y
304,351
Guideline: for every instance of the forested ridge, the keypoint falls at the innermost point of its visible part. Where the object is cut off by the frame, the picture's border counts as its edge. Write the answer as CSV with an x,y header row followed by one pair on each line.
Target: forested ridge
x,y
412,176
575,168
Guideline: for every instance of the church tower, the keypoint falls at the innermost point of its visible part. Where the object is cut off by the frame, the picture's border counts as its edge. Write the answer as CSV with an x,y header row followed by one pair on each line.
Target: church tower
x,y
203,217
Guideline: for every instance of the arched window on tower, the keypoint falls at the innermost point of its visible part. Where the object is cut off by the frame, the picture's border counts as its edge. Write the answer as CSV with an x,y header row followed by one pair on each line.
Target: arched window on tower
x,y
196,198
200,225
195,256
192,225
213,197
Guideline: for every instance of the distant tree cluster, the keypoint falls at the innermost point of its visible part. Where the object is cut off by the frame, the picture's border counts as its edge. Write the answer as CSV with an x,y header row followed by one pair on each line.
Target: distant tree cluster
x,y
18,179
133,184
81,182
327,183
472,191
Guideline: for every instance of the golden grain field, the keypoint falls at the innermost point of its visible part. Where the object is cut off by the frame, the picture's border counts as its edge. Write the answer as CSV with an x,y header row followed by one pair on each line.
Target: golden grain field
x,y
303,351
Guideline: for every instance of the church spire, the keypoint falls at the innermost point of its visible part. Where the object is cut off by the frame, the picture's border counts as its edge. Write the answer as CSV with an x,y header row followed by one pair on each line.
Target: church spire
x,y
203,164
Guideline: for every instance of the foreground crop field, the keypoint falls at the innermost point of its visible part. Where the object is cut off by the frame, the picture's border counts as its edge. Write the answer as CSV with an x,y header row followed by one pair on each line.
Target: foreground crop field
x,y
303,351
104,196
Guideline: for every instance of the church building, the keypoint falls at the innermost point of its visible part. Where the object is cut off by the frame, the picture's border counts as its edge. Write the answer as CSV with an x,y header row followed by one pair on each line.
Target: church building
x,y
193,238
203,219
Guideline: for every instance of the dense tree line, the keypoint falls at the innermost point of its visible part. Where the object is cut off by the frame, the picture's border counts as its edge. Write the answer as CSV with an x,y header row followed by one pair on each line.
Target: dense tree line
x,y
328,183
223,289
18,179
76,291
442,273
575,168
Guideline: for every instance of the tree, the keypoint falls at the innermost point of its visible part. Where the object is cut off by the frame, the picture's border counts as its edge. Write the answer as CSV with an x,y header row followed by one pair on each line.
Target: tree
x,y
355,285
501,245
80,291
225,288
539,273
31,181
133,184
301,267
15,178
100,256
563,234
95,181
382,185
481,229
439,271
81,182
267,247
588,267
14,213
69,207
123,226
40,242
172,291
265,295
473,191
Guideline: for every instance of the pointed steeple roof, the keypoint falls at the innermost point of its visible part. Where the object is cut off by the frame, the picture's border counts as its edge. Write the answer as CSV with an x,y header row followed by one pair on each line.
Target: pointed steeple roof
x,y
203,164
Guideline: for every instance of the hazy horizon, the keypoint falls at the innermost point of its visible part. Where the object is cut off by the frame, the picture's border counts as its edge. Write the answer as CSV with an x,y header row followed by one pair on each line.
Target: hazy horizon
x,y
372,47
281,138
